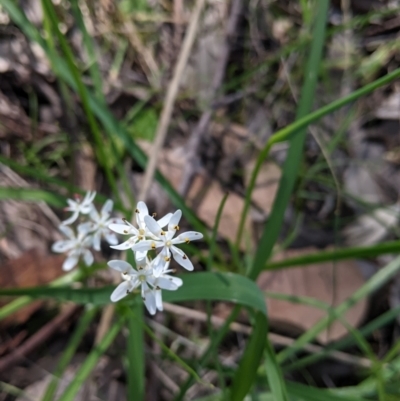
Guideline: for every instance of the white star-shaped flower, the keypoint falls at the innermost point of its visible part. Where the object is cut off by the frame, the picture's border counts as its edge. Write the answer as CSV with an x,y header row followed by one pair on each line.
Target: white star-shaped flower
x,y
165,240
79,205
150,285
99,225
137,234
76,246
160,271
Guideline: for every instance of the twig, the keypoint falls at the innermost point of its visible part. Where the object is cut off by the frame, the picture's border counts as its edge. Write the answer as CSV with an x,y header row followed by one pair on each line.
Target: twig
x,y
170,97
37,339
275,338
201,128
149,62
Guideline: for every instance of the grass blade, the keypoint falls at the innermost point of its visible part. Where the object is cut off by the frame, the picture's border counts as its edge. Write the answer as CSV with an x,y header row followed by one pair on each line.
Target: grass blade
x,y
135,352
69,352
290,169
369,287
90,362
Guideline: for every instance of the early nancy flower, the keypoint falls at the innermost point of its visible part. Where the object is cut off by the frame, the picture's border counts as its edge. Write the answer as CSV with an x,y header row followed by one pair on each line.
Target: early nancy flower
x,y
75,247
165,240
137,234
150,286
79,205
99,225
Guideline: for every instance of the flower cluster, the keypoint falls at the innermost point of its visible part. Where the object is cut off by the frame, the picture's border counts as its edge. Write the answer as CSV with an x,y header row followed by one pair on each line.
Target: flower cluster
x,y
150,238
87,233
151,274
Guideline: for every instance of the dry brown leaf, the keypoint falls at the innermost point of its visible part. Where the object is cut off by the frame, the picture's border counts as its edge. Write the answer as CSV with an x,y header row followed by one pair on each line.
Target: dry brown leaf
x,y
266,185
328,282
29,270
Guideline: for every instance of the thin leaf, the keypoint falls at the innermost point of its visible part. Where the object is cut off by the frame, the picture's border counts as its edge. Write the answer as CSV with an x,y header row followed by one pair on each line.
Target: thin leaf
x,y
69,352
294,156
90,362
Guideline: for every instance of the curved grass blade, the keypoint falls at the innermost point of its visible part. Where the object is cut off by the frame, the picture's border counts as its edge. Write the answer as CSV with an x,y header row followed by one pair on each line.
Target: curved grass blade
x,y
291,166
365,331
375,282
33,195
358,252
49,11
69,352
200,286
274,374
90,362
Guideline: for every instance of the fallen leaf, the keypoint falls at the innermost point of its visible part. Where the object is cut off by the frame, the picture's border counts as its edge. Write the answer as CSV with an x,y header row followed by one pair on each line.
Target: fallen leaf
x,y
331,283
29,270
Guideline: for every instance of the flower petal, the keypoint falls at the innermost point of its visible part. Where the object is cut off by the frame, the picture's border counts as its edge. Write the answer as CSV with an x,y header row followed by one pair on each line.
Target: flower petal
x,y
121,266
107,208
62,246
88,257
67,231
146,245
161,263
121,291
142,210
70,262
97,240
123,229
94,215
140,258
166,284
187,237
111,238
85,228
181,258
164,220
125,245
71,219
173,224
153,226
149,299
158,299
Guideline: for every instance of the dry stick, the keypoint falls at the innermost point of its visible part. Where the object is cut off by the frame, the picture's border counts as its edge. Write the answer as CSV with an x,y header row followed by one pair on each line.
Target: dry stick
x,y
170,98
40,337
276,339
149,63
205,119
108,312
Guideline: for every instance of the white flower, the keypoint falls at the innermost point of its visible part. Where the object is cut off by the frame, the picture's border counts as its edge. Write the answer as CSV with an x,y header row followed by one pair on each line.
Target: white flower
x,y
75,246
79,205
166,241
160,280
137,234
150,285
99,225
